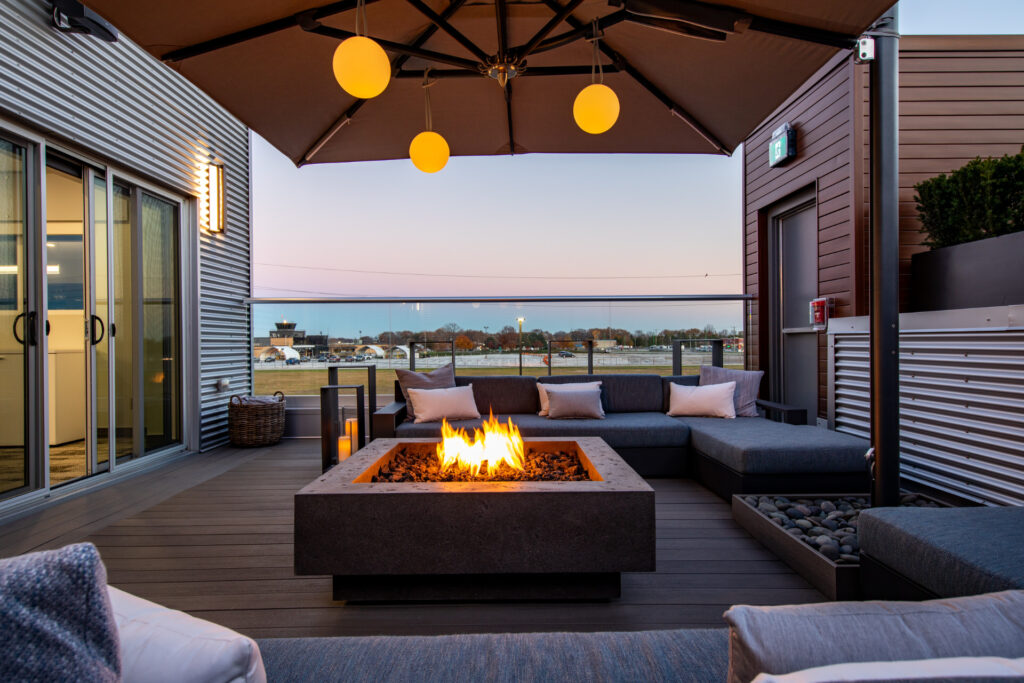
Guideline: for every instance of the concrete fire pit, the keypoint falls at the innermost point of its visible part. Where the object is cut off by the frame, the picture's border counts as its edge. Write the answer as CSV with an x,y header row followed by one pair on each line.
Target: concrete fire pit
x,y
475,540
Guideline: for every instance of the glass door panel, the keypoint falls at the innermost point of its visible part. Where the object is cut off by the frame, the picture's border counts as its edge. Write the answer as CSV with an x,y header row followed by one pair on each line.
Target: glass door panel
x,y
122,327
14,286
161,326
67,305
99,332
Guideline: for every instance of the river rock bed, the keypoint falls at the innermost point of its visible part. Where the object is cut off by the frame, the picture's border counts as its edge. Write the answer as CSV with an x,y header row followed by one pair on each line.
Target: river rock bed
x,y
416,465
829,525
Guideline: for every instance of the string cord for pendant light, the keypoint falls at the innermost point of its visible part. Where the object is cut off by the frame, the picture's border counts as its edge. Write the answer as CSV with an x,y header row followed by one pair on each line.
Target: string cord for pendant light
x,y
596,70
361,18
426,97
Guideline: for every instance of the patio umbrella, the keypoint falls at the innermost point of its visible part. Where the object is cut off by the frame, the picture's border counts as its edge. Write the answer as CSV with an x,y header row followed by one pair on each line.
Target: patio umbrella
x,y
691,77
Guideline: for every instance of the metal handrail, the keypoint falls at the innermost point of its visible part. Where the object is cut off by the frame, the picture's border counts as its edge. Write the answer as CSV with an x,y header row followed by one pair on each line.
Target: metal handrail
x,y
628,298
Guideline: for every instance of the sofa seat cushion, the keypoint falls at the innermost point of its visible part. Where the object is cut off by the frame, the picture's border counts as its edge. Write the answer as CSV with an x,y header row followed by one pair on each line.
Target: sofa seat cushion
x,y
696,655
619,430
625,393
754,445
949,551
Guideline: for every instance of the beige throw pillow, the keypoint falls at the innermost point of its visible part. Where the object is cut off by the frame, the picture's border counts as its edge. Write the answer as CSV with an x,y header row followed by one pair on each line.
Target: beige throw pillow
x,y
441,378
543,388
434,405
713,400
575,404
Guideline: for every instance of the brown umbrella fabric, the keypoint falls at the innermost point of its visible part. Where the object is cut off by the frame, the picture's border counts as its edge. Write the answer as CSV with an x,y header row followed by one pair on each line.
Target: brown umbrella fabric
x,y
691,77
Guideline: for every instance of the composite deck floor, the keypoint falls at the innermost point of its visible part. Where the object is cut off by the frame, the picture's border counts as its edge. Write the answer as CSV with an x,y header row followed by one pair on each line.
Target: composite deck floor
x,y
212,535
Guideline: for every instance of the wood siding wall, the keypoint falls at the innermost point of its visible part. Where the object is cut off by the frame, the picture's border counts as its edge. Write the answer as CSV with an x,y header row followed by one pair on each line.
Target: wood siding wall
x,y
961,97
823,113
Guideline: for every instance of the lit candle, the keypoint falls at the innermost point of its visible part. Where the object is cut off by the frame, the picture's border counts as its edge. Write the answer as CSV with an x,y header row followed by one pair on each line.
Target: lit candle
x,y
344,447
352,431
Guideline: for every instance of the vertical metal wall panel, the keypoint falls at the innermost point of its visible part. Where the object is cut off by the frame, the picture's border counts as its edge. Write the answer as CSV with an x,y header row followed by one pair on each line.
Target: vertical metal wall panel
x,y
116,102
961,408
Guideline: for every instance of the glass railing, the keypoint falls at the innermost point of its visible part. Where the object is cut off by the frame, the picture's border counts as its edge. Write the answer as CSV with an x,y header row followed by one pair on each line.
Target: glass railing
x,y
294,341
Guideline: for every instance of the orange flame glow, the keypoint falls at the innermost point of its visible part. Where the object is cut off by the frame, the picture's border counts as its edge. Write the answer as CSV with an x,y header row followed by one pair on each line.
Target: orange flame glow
x,y
497,443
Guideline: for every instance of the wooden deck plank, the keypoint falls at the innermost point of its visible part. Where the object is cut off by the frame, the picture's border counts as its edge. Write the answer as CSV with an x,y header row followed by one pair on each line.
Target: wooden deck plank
x,y
215,539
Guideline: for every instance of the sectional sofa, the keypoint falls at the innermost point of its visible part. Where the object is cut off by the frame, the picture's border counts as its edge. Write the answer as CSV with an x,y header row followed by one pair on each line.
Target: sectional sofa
x,y
741,455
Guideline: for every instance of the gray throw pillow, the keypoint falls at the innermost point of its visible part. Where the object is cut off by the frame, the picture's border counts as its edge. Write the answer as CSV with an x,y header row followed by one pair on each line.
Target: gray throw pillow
x,y
748,383
441,378
56,622
780,640
575,404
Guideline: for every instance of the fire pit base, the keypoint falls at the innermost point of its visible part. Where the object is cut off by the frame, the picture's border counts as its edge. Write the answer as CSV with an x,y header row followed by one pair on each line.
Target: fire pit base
x,y
503,540
473,587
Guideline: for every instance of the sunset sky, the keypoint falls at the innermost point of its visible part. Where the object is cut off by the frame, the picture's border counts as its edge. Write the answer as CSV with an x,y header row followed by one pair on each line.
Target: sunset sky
x,y
523,225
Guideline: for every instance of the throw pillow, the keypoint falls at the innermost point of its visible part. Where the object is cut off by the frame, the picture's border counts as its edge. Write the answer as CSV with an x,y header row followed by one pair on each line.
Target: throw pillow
x,y
946,670
575,404
441,378
543,389
748,383
712,400
761,638
434,405
56,622
161,645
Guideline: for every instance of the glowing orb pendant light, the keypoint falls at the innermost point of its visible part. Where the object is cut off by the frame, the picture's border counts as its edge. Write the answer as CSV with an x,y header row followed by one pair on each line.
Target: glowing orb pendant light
x,y
361,66
428,151
596,108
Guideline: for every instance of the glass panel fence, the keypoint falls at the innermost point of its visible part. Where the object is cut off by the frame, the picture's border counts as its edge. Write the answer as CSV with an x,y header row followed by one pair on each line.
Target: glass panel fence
x,y
294,342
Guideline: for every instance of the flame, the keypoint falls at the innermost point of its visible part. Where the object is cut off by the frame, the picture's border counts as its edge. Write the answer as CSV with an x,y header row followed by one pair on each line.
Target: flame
x,y
497,443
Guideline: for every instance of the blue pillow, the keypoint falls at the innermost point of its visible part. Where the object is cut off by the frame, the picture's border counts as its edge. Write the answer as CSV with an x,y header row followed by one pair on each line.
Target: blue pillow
x,y
56,623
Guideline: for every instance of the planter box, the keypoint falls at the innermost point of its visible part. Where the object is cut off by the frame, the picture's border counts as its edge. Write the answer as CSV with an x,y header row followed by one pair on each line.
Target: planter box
x,y
972,275
835,581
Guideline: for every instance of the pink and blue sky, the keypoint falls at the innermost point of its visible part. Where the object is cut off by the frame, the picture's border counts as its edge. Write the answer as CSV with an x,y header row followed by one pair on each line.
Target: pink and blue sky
x,y
523,225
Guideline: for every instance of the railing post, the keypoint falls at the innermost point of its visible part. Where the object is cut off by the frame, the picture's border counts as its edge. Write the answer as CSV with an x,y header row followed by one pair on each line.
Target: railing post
x,y
330,428
590,356
520,360
549,357
677,357
718,352
412,355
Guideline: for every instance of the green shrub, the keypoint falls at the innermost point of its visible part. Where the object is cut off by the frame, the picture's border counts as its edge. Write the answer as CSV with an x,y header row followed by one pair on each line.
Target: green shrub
x,y
984,198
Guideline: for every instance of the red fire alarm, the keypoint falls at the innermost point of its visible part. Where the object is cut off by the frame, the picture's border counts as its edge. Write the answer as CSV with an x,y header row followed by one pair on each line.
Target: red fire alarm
x,y
819,312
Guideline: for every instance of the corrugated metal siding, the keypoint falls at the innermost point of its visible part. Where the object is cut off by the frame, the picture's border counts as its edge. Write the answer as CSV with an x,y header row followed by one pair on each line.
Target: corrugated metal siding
x,y
117,102
961,408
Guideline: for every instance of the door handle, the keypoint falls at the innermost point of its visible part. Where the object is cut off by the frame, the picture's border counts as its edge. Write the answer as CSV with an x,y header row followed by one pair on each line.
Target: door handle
x,y
92,331
14,329
30,329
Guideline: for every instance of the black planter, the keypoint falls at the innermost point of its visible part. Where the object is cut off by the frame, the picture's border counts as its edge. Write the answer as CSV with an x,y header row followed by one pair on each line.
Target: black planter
x,y
972,275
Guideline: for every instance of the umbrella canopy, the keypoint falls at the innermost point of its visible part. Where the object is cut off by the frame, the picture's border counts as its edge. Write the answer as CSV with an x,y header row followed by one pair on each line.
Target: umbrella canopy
x,y
691,77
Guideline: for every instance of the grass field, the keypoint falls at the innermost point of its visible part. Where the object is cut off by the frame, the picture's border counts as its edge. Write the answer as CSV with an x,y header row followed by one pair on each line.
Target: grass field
x,y
297,382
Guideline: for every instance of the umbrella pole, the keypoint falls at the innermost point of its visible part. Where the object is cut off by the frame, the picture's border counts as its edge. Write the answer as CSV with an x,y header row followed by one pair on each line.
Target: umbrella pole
x,y
885,381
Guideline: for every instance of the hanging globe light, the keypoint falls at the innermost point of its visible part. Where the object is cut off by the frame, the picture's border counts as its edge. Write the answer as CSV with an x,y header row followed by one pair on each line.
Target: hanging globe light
x,y
361,66
596,108
429,151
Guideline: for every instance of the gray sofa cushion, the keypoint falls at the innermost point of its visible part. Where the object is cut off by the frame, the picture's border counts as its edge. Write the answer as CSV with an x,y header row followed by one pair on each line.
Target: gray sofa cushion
x,y
503,394
696,655
564,404
619,430
626,393
949,551
779,640
685,380
56,622
754,445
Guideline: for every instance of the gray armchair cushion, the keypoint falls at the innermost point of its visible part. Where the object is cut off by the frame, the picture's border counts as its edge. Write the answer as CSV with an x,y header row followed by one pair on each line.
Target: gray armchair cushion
x,y
626,393
619,430
441,378
949,551
503,394
748,384
56,623
760,446
780,640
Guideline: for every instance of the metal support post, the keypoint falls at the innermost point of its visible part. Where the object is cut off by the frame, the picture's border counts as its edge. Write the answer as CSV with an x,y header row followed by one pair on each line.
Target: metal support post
x,y
885,333
718,352
590,356
330,423
677,357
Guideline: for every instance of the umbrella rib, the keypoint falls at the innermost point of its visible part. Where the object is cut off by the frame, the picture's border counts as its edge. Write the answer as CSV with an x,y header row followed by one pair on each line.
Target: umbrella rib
x,y
258,31
647,85
525,50
586,31
501,17
445,26
400,48
508,119
577,70
396,65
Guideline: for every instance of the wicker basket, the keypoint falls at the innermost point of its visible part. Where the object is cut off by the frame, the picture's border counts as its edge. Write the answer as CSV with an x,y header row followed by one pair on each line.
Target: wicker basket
x,y
258,422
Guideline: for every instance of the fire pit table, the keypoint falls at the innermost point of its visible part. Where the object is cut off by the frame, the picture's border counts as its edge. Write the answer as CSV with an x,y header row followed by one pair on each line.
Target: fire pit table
x,y
475,540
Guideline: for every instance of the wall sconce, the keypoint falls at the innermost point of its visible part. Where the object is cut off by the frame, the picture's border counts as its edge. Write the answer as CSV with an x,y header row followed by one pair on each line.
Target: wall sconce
x,y
212,213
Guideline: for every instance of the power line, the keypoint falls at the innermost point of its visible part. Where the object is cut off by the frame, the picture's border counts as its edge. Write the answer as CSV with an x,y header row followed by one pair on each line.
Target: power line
x,y
501,277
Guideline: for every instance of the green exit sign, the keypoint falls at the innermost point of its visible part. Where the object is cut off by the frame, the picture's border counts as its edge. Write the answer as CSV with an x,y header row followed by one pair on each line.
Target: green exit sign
x,y
782,147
